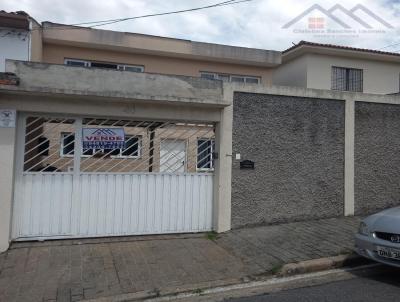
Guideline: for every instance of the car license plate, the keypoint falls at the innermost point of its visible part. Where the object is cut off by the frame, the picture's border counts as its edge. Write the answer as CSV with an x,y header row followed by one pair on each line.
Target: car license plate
x,y
388,252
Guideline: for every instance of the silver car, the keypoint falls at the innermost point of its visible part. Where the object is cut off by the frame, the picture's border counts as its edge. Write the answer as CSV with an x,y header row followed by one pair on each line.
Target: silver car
x,y
378,237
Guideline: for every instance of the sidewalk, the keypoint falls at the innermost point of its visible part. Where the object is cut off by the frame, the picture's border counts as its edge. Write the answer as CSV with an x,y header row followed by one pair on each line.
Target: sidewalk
x,y
74,270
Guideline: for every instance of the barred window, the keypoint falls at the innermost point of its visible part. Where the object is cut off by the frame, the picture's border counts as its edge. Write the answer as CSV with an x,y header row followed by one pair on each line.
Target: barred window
x,y
205,151
67,144
347,79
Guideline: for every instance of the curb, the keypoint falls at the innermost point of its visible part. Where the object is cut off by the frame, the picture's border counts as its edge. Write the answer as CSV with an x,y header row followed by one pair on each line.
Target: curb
x,y
315,265
288,270
171,292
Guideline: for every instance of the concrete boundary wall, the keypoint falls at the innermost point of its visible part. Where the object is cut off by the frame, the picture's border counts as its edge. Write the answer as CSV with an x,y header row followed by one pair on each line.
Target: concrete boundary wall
x,y
350,99
377,157
297,146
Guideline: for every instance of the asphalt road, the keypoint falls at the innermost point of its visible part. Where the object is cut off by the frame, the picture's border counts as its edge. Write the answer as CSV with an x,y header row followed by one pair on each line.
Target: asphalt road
x,y
374,287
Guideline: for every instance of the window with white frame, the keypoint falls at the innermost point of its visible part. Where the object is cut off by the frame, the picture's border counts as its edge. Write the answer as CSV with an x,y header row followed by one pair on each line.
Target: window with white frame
x,y
205,151
123,67
132,147
230,77
131,68
347,79
67,144
80,63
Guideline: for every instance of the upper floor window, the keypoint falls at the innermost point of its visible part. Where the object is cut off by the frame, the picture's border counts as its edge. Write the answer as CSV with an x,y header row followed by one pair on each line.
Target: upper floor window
x,y
76,63
230,78
347,79
83,63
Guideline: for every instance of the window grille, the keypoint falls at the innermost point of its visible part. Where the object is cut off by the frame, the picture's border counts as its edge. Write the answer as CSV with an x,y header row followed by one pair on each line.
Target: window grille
x,y
56,145
347,79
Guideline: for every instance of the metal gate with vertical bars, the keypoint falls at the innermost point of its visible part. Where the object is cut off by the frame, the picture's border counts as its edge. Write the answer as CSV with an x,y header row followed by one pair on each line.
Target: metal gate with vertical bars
x,y
160,181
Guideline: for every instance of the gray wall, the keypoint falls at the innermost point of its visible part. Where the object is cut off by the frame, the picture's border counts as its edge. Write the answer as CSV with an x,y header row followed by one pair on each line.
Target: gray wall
x,y
377,157
298,148
292,73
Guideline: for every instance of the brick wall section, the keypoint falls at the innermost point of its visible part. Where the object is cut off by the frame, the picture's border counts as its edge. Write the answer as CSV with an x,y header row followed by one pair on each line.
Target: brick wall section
x,y
377,157
297,145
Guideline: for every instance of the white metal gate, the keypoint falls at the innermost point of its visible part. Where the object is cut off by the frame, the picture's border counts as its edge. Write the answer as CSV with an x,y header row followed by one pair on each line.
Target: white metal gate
x,y
146,187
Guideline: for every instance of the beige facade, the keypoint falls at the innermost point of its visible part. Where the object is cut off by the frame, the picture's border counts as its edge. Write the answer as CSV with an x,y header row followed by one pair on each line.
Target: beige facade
x,y
57,54
54,43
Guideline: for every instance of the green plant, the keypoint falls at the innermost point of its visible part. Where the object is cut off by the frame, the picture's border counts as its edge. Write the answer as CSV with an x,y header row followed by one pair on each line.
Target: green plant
x,y
276,268
211,236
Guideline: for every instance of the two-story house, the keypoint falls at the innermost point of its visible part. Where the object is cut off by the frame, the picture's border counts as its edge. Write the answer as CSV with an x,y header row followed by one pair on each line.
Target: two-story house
x,y
80,46
326,66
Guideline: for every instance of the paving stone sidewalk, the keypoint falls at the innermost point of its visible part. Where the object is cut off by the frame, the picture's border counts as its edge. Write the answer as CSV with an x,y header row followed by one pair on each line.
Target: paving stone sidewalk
x,y
74,270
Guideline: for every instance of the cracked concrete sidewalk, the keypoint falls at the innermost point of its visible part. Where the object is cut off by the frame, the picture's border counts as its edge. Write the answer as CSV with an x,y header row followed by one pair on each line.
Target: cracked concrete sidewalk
x,y
74,270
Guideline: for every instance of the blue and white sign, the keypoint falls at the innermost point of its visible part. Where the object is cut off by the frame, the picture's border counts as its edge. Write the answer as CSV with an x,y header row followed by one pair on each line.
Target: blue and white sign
x,y
103,138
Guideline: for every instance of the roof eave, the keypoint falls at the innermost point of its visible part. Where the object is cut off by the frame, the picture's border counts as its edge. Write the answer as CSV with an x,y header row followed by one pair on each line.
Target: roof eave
x,y
304,49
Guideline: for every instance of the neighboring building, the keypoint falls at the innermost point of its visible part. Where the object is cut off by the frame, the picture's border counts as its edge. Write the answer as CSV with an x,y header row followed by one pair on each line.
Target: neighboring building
x,y
18,36
325,66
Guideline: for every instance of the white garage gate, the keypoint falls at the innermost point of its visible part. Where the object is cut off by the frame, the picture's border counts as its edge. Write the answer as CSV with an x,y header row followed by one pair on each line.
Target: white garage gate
x,y
159,181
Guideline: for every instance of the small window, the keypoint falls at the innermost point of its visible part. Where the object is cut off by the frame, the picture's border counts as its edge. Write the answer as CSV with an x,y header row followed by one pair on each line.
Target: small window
x,y
71,62
83,63
131,68
210,76
132,147
347,79
67,144
251,80
103,65
205,150
230,78
88,152
224,77
237,79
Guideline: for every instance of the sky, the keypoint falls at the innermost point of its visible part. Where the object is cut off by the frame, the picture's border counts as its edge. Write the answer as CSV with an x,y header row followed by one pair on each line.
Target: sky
x,y
257,24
